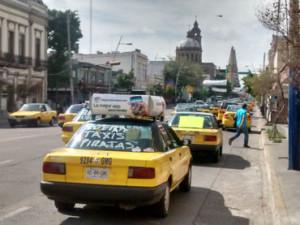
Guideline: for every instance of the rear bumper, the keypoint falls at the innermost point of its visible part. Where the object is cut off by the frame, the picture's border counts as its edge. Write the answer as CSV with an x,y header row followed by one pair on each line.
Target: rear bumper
x,y
87,193
204,148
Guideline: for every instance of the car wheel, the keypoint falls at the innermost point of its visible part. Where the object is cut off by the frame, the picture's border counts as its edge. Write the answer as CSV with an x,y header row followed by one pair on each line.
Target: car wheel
x,y
12,124
185,185
221,151
52,122
38,122
64,206
216,156
162,207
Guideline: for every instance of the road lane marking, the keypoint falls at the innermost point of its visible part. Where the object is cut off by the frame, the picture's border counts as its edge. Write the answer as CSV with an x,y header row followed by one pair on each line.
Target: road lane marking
x,y
5,162
15,212
24,137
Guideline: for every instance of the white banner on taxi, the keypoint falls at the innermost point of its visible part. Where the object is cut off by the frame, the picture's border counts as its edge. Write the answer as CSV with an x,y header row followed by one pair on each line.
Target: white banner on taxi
x,y
128,105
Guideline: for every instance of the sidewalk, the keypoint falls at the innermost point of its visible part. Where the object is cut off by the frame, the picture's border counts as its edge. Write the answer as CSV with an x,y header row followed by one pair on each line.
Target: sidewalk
x,y
284,183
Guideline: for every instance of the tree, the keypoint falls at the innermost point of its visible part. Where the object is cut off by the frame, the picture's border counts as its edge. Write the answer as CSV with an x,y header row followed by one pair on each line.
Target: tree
x,y
183,74
58,42
125,81
156,89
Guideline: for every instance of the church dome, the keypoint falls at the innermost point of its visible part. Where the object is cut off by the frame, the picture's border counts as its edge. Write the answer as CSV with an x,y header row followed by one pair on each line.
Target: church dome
x,y
189,43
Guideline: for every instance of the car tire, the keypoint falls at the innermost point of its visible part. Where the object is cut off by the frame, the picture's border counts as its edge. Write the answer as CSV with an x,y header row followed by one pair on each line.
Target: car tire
x,y
37,122
12,124
221,151
64,206
52,122
162,207
185,185
216,156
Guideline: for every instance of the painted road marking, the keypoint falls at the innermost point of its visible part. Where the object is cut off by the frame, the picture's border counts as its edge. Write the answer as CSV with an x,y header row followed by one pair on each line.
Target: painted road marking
x,y
15,212
24,137
5,162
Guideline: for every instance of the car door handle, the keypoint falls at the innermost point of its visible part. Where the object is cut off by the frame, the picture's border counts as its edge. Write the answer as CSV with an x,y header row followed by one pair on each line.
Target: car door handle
x,y
170,158
180,154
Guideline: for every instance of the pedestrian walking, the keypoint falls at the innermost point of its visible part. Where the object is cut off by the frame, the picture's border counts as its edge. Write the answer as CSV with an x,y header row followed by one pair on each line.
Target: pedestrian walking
x,y
241,126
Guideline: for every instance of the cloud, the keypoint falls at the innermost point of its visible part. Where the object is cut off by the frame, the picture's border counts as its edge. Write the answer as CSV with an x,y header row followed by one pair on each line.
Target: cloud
x,y
157,26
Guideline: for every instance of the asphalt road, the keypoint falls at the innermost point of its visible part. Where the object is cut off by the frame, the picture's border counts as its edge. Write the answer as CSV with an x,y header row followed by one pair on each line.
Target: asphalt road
x,y
229,192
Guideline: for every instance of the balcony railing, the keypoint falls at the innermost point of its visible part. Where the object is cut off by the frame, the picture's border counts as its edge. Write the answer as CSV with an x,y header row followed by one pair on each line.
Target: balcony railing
x,y
22,62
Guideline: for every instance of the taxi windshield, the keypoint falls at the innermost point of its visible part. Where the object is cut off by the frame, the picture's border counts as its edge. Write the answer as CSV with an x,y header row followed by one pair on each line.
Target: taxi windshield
x,y
31,108
74,108
114,137
192,121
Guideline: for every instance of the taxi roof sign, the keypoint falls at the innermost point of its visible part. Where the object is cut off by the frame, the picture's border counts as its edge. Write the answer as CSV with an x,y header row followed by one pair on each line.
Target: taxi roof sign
x,y
128,105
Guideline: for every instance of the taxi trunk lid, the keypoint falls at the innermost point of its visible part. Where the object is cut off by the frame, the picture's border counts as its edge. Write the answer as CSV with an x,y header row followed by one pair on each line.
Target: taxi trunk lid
x,y
100,167
198,136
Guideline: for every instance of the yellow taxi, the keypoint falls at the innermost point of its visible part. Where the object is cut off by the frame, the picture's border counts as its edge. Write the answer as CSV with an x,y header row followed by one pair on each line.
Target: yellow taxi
x,y
201,130
127,162
222,110
228,120
69,114
203,108
33,114
69,128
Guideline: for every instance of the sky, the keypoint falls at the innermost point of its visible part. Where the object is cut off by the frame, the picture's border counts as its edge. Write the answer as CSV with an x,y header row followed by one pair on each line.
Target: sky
x,y
156,27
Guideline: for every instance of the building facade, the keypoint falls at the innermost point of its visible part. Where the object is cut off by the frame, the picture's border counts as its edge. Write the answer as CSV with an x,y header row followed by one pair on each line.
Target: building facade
x,y
88,78
23,53
129,61
190,50
155,72
232,69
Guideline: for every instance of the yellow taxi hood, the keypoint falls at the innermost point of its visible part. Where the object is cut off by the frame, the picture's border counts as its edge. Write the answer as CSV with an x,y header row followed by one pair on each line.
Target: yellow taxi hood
x,y
25,113
195,129
62,154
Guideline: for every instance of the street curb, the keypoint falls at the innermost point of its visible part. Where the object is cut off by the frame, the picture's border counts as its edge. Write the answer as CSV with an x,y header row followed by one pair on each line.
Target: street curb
x,y
278,206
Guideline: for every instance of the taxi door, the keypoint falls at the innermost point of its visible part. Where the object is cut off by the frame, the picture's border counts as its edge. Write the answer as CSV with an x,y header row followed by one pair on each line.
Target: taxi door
x,y
172,155
184,155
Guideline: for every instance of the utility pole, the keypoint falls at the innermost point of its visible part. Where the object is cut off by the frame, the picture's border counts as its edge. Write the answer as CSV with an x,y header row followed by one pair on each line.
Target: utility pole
x,y
91,26
70,58
294,113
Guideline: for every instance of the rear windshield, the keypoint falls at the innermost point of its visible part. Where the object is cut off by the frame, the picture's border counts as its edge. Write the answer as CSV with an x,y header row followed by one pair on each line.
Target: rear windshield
x,y
226,104
233,108
192,121
74,109
118,137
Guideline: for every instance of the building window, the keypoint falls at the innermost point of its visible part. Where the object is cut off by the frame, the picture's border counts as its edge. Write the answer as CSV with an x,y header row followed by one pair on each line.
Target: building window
x,y
37,52
1,40
22,48
11,46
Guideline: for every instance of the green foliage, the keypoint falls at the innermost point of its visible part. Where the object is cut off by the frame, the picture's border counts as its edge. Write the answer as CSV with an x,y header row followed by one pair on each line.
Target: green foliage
x,y
259,85
57,34
275,135
187,73
58,69
125,81
228,87
156,89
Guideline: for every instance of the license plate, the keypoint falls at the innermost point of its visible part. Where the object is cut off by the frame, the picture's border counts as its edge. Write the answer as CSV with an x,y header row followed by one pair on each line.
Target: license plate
x,y
97,173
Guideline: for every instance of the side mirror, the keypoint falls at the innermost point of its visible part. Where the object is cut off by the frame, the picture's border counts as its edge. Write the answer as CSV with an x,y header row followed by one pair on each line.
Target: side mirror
x,y
187,142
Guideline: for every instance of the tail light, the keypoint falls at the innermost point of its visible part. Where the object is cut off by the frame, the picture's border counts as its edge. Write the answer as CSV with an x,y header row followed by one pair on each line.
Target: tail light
x,y
61,117
67,129
141,173
226,116
54,168
210,138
